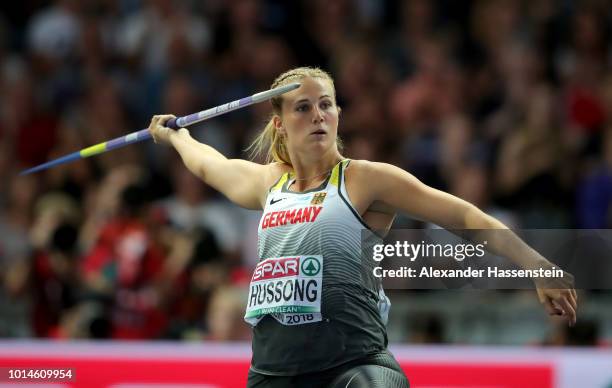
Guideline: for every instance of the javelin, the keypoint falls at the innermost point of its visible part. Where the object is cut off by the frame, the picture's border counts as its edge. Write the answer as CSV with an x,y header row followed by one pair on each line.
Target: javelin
x,y
174,123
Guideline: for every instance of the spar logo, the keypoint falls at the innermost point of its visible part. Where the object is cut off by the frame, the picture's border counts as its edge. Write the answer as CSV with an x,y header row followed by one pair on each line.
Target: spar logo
x,y
277,268
286,285
311,266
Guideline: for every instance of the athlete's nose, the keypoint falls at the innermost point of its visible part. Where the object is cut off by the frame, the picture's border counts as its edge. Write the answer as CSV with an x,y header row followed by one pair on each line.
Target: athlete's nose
x,y
318,115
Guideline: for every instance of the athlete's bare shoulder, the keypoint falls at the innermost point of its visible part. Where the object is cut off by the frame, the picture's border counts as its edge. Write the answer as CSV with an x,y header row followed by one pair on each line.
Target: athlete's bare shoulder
x,y
362,179
284,167
372,172
359,178
274,171
362,171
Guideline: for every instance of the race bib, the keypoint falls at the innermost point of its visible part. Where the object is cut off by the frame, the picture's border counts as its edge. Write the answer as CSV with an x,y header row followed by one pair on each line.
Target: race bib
x,y
287,288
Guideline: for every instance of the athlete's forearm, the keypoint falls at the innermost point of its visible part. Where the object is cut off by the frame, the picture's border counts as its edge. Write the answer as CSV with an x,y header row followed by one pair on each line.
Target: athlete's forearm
x,y
200,159
502,241
221,173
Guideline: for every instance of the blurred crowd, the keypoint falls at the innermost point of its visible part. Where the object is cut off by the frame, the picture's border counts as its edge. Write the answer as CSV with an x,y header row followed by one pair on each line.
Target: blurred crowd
x,y
505,103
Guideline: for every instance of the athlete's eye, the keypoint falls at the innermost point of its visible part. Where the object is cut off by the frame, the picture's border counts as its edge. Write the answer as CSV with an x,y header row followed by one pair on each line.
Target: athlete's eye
x,y
302,108
325,104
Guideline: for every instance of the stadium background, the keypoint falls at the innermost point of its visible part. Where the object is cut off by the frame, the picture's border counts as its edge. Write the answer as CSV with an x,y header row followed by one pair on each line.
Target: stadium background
x,y
507,104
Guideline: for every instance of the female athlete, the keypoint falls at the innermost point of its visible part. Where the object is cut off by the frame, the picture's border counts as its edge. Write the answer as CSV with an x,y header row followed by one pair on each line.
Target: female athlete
x,y
317,312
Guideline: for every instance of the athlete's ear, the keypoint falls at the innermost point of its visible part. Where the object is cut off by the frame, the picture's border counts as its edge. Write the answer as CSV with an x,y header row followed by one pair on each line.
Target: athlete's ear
x,y
339,110
278,125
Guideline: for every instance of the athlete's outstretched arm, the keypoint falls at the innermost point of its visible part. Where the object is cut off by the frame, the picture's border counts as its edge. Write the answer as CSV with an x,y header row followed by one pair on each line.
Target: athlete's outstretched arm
x,y
241,181
402,191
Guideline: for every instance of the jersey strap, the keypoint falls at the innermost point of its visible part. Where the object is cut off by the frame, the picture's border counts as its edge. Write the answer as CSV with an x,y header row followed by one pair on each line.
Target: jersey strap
x,y
341,184
279,183
334,179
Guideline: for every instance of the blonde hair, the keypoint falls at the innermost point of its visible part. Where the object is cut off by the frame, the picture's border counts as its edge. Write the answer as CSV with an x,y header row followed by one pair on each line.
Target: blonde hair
x,y
269,142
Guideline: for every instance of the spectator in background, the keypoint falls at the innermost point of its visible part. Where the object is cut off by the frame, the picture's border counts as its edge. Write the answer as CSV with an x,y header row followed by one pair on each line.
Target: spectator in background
x,y
53,38
427,329
104,118
158,28
6,164
25,118
53,33
583,64
55,281
15,250
203,273
267,57
125,266
531,164
192,207
595,191
585,333
472,184
74,179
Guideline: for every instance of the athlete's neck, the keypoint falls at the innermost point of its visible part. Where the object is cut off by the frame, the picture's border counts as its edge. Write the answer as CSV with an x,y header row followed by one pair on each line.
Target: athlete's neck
x,y
310,173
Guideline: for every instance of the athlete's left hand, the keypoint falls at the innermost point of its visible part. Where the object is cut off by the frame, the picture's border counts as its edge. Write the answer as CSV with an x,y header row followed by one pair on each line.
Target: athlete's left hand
x,y
560,301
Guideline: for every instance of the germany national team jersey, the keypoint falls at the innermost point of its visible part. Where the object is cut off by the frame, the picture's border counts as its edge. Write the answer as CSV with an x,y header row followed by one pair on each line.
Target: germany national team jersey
x,y
313,299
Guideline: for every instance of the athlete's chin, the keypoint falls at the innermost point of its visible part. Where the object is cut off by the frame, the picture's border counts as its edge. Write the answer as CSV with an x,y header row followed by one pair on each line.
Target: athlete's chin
x,y
321,146
323,138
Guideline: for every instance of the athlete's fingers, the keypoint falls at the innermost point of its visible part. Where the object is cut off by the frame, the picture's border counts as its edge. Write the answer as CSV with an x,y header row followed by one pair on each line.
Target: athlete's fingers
x,y
153,128
158,130
568,310
155,120
550,308
163,119
575,294
567,295
571,297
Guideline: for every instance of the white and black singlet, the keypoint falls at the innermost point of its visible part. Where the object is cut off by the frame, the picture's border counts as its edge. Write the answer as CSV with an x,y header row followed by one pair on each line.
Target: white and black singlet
x,y
313,300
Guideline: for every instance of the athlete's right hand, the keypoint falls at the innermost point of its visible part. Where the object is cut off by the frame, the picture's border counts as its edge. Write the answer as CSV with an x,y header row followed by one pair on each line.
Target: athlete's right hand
x,y
161,133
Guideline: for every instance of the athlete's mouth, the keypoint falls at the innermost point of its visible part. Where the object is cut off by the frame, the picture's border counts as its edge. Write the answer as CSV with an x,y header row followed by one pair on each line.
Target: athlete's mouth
x,y
319,132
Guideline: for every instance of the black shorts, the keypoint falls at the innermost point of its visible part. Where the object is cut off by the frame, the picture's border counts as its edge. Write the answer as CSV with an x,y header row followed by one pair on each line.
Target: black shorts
x,y
379,370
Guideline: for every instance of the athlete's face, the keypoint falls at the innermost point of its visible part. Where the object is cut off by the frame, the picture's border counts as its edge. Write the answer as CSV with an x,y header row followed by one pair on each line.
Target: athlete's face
x,y
309,120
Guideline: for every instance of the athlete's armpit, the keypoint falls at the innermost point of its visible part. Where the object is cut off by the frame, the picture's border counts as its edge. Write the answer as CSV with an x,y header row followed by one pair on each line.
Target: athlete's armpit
x,y
381,207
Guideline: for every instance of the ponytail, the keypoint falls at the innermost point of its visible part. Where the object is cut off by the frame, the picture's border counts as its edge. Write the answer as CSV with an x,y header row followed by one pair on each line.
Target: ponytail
x,y
270,144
